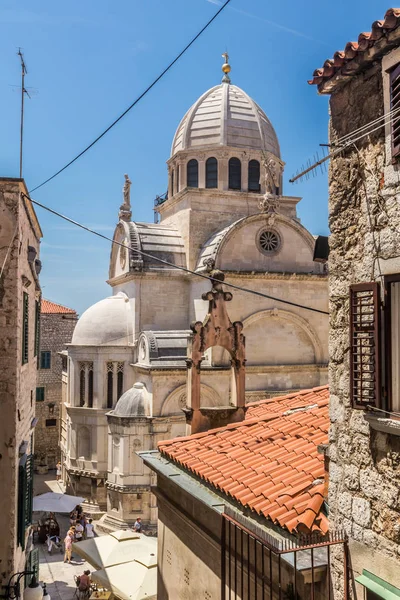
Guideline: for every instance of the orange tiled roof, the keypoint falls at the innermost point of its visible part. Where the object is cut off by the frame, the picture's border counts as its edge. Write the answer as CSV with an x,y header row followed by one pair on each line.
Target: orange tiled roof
x,y
357,55
48,307
268,462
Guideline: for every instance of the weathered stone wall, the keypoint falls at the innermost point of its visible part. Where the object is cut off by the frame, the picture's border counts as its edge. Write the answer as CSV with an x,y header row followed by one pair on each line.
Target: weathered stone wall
x,y
19,229
56,332
364,219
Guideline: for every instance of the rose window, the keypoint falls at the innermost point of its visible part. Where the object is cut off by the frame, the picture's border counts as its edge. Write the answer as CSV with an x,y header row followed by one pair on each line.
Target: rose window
x,y
268,241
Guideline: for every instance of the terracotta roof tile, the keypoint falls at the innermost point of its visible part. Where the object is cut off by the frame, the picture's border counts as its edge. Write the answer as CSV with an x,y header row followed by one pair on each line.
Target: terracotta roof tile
x,y
357,54
269,462
47,307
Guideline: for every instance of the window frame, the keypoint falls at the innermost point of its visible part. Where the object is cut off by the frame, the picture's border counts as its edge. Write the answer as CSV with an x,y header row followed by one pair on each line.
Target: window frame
x,y
251,165
374,327
193,162
43,362
237,188
44,393
53,422
387,328
25,328
394,77
210,176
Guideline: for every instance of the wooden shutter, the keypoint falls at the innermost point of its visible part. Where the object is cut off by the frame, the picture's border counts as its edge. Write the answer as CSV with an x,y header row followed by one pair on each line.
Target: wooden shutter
x,y
25,497
32,564
395,104
37,328
364,345
25,329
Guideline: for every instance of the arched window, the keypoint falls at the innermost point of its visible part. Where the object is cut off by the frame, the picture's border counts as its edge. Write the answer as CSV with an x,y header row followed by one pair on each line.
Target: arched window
x,y
192,173
211,173
235,174
172,183
177,178
254,176
115,382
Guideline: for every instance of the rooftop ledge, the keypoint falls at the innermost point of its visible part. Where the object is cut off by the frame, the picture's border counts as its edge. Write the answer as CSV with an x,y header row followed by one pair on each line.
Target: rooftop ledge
x,y
383,424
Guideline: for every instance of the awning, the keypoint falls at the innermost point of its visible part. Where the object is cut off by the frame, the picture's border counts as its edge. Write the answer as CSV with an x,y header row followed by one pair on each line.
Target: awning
x,y
129,581
117,548
57,503
381,588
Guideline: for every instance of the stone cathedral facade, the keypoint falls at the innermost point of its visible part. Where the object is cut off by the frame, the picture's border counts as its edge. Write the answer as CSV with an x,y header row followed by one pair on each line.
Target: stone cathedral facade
x,y
226,210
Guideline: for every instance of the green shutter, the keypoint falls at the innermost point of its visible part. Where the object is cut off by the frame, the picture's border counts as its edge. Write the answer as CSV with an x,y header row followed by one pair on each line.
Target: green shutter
x,y
39,394
37,327
25,329
25,497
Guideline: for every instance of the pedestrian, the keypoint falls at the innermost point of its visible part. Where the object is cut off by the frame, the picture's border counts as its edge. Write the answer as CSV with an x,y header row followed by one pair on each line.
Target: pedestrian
x,y
138,525
79,532
69,538
89,530
84,581
58,471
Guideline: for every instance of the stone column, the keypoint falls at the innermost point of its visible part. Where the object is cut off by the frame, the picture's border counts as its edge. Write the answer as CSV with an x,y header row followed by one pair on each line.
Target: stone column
x,y
223,179
202,171
245,174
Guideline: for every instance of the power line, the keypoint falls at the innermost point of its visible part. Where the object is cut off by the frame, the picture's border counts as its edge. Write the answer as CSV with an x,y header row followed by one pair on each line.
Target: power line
x,y
165,262
171,64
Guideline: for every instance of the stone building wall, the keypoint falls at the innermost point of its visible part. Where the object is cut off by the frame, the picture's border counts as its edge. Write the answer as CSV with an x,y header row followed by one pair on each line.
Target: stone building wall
x,y
19,229
56,332
364,220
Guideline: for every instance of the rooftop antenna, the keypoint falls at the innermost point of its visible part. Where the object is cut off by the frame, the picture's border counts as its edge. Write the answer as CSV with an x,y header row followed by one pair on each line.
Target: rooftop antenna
x,y
24,71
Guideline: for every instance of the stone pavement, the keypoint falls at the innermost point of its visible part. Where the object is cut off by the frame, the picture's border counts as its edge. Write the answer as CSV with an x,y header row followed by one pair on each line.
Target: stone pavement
x,y
59,577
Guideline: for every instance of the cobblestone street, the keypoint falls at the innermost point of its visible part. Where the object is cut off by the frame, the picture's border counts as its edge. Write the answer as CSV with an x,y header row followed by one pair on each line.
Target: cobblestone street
x,y
59,577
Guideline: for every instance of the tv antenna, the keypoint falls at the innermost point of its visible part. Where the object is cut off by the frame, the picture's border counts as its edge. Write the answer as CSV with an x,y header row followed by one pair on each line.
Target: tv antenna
x,y
24,71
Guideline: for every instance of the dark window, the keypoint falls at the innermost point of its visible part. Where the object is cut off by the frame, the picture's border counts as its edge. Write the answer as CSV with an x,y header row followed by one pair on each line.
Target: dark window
x,y
110,384
45,359
177,178
364,345
25,329
211,173
82,382
37,328
235,174
172,183
51,422
39,394
395,105
25,496
120,383
392,337
192,173
90,388
254,176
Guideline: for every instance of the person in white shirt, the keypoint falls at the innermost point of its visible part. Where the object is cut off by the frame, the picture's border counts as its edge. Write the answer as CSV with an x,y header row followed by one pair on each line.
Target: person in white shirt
x,y
79,532
89,529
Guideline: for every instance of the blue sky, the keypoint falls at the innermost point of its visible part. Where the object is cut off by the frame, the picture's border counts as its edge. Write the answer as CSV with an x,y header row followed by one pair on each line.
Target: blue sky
x,y
88,60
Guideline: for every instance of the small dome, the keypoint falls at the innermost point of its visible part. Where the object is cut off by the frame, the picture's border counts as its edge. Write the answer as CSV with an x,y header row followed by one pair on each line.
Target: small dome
x,y
226,116
133,403
106,323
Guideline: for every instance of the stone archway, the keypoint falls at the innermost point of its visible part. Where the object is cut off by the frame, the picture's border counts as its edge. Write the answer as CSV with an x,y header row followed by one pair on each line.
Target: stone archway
x,y
176,401
297,320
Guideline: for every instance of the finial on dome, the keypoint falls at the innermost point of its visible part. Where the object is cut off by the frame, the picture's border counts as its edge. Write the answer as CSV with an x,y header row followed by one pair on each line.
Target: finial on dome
x,y
226,68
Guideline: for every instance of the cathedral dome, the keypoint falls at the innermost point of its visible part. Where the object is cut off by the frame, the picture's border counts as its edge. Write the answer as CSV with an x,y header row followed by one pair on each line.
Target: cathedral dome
x,y
225,116
106,323
133,403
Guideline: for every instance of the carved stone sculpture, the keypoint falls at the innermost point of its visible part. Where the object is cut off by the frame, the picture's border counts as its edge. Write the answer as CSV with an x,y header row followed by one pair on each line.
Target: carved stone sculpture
x,y
125,212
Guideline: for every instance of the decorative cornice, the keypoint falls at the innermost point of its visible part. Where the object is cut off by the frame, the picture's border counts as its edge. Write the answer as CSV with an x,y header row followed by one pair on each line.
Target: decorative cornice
x,y
127,489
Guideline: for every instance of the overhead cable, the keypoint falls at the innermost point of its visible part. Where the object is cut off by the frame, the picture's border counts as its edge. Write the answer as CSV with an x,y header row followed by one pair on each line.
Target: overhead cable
x,y
171,64
169,264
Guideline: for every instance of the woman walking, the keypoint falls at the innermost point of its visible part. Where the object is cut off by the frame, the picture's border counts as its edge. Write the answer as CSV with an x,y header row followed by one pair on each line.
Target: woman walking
x,y
69,538
58,471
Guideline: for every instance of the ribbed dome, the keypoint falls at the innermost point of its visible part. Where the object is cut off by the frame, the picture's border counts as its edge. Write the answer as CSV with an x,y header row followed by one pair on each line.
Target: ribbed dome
x,y
133,403
108,322
225,116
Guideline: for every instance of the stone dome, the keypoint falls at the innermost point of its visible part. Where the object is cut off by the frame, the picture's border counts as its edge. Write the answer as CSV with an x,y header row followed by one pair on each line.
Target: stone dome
x,y
133,403
225,116
106,323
